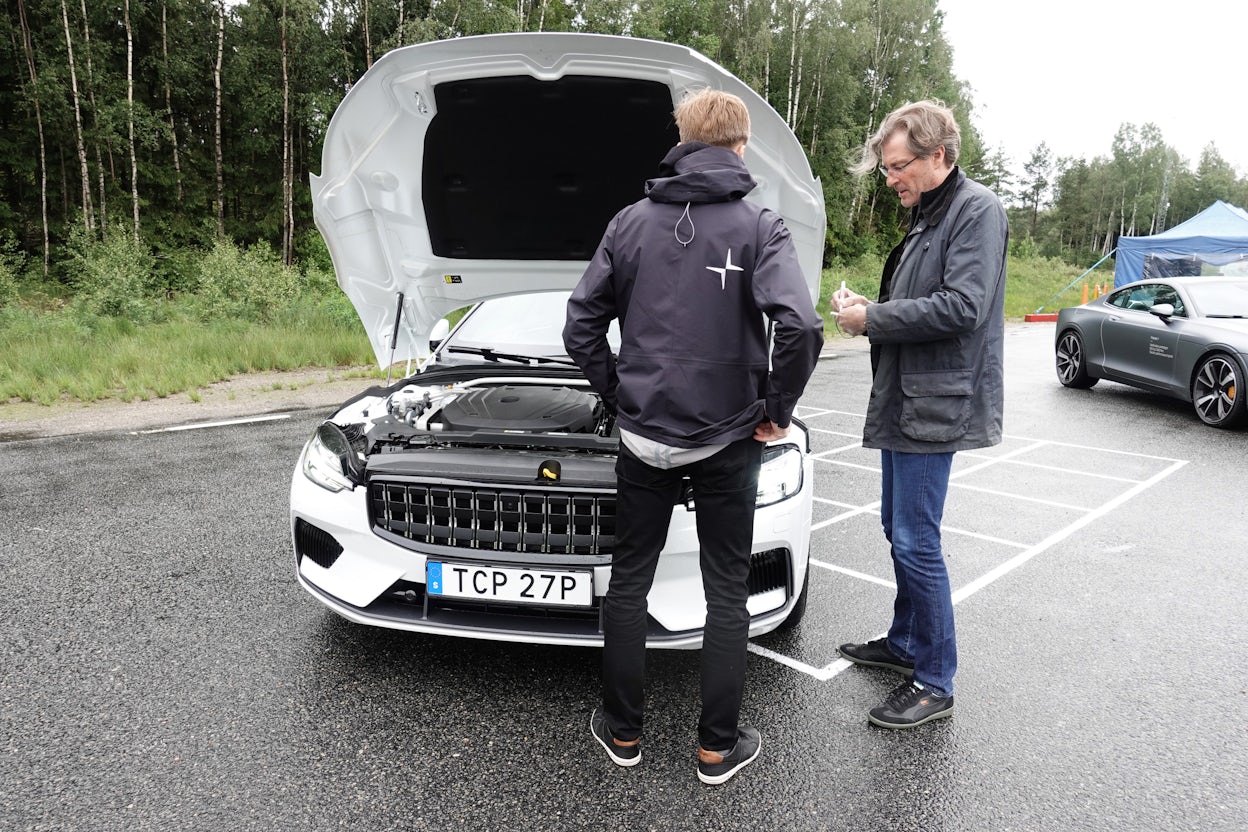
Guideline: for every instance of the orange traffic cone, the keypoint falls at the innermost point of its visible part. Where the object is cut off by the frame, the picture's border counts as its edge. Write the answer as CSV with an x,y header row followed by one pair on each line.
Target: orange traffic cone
x,y
1085,293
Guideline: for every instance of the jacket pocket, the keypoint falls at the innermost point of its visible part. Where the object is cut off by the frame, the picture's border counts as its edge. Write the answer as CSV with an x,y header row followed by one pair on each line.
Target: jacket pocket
x,y
936,405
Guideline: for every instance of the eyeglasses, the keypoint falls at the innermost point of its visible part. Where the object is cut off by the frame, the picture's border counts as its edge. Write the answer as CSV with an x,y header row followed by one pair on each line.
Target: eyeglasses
x,y
895,170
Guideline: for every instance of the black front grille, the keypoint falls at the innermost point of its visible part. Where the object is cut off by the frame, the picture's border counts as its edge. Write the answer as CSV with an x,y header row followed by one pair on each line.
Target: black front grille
x,y
316,544
498,520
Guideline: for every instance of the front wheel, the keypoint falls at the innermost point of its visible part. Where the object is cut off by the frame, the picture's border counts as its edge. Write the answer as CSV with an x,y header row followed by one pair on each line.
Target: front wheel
x,y
1072,362
1215,392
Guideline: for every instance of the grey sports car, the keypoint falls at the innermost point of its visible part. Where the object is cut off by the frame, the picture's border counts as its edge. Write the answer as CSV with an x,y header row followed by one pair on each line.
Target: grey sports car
x,y
1185,337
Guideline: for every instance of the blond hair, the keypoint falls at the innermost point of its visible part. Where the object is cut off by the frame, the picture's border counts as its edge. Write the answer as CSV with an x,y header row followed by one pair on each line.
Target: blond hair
x,y
929,125
714,117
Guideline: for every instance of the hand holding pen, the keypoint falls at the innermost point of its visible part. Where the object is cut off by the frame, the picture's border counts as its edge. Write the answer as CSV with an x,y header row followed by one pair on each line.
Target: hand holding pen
x,y
850,310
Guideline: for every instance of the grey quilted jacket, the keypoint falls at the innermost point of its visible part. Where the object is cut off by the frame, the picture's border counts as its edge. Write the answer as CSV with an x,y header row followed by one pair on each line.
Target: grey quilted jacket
x,y
937,336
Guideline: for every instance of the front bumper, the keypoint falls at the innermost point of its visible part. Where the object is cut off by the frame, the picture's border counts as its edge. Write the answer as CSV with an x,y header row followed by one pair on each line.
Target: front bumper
x,y
343,563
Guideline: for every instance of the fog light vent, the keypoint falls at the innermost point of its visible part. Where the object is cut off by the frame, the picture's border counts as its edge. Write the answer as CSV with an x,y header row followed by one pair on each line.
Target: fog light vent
x,y
314,543
769,570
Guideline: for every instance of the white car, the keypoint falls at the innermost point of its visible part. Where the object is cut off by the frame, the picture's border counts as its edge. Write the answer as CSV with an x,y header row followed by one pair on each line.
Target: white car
x,y
475,497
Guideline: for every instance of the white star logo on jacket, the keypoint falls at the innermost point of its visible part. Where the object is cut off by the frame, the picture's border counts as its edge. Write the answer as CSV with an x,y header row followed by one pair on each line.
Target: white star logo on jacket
x,y
723,272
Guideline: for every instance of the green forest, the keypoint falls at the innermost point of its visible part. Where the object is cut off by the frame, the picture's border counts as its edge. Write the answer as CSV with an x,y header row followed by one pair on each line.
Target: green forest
x,y
155,154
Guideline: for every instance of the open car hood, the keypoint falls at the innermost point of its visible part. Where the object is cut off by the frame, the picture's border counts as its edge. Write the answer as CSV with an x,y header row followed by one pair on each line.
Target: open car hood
x,y
461,170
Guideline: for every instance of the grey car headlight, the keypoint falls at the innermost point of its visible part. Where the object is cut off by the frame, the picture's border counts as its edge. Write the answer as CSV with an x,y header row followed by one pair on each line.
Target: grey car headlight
x,y
780,476
329,460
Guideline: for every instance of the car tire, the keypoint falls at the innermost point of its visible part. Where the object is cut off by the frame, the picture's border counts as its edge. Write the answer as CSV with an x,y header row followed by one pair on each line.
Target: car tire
x,y
1072,362
1218,391
799,609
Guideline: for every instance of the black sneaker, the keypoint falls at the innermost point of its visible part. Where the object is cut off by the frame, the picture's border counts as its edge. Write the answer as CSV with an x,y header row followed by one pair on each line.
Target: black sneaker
x,y
715,767
877,654
908,706
621,755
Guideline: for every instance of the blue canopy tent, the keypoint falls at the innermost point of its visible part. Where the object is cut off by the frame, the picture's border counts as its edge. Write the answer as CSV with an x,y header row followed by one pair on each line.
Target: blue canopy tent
x,y
1215,241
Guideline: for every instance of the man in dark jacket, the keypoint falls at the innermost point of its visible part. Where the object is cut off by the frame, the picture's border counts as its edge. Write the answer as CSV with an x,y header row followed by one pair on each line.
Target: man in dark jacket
x,y
690,272
936,352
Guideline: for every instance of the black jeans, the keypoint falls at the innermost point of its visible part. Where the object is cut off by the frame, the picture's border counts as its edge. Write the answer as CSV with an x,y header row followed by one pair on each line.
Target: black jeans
x,y
724,489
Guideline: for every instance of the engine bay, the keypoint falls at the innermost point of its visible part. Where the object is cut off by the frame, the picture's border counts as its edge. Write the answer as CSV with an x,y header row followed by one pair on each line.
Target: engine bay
x,y
500,413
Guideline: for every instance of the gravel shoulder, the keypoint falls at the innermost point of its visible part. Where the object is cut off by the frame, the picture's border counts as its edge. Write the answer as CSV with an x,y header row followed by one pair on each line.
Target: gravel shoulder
x,y
246,395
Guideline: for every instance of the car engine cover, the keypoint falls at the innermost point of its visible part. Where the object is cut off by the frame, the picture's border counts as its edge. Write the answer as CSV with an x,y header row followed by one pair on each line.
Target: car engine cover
x,y
531,409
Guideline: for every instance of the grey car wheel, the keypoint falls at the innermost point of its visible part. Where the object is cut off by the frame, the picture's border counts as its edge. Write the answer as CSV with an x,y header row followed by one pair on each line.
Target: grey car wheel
x,y
1215,392
1072,362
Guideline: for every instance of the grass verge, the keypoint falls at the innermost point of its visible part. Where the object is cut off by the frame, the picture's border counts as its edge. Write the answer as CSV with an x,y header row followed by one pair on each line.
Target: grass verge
x,y
56,356
69,353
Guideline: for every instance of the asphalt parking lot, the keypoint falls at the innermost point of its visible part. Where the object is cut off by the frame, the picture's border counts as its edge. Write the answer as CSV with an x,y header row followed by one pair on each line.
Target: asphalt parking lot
x,y
161,668
1009,504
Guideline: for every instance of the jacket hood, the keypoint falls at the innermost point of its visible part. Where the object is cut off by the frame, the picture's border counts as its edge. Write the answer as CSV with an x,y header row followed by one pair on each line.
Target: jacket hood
x,y
480,167
698,173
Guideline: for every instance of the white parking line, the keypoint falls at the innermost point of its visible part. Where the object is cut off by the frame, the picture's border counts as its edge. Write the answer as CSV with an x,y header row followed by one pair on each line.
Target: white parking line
x,y
1060,535
825,412
862,576
840,433
873,508
986,537
852,446
998,493
993,460
823,674
1101,449
1056,468
199,425
1087,516
836,503
872,468
803,412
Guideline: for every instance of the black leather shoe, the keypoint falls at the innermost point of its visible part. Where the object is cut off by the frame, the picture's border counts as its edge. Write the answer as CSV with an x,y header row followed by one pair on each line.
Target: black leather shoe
x,y
908,706
876,654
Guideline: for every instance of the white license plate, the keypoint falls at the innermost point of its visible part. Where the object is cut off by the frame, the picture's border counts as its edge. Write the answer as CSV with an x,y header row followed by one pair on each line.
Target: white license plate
x,y
550,587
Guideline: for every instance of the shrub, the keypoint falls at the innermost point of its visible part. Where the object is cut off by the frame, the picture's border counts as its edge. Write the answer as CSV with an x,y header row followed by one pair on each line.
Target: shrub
x,y
12,261
310,250
1024,247
8,285
114,275
247,283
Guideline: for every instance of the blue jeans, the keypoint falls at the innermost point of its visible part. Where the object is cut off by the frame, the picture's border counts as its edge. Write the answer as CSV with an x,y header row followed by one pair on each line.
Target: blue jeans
x,y
911,506
725,488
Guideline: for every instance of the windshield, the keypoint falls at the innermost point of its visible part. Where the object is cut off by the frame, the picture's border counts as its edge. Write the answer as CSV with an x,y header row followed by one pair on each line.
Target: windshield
x,y
521,324
1228,299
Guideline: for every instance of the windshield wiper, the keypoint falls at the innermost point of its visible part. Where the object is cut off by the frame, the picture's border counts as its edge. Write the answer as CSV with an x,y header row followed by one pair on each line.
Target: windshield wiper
x,y
494,355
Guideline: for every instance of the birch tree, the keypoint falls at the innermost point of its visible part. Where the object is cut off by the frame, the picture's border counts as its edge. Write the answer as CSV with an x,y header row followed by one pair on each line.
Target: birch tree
x,y
288,173
88,212
29,50
216,82
95,119
134,162
173,125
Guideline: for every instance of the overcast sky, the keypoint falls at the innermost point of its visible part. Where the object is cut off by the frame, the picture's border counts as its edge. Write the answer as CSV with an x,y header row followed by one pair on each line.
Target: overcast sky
x,y
1070,72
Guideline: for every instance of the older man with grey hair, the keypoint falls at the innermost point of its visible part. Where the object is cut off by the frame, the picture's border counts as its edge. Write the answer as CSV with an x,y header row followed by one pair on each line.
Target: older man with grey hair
x,y
936,337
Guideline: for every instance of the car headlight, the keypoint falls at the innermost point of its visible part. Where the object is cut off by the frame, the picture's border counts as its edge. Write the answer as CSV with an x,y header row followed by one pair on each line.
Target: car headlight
x,y
780,476
329,460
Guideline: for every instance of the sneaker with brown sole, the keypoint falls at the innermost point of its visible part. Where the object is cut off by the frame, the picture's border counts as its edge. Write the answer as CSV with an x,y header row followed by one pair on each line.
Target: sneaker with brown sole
x,y
624,753
715,767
